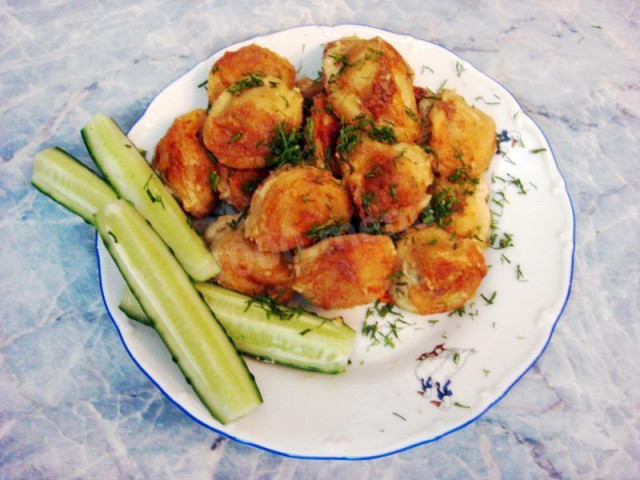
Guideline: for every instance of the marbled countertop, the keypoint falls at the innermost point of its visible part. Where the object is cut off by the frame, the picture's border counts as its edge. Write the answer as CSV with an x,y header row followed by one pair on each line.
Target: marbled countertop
x,y
74,405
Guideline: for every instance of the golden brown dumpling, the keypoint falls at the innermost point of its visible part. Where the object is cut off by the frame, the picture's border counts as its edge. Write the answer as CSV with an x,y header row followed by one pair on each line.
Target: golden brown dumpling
x,y
232,66
461,136
237,186
345,271
440,271
323,131
182,161
245,117
243,267
388,183
471,217
370,79
292,201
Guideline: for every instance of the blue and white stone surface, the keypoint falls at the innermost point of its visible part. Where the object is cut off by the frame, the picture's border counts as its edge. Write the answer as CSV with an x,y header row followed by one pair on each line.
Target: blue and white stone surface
x,y
73,404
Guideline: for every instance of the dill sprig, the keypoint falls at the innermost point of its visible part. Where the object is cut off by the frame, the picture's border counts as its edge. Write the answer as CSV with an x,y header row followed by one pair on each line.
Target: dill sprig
x,y
328,229
286,146
386,333
250,81
273,307
383,134
442,205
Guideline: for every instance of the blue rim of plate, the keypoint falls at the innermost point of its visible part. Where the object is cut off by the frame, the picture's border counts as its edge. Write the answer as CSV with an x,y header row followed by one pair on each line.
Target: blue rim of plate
x,y
416,444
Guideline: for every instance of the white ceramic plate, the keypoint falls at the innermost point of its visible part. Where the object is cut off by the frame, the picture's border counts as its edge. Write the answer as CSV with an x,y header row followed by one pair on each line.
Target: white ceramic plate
x,y
385,402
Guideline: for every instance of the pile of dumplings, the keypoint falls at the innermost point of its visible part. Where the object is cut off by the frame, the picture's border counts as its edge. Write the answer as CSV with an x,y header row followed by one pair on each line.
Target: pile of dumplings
x,y
354,187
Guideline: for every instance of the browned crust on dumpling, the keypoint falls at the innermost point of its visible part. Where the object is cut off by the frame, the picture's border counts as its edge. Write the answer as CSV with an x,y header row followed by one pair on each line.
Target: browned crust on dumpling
x,y
241,125
461,136
370,79
232,66
388,183
182,161
440,272
237,186
345,271
243,267
292,201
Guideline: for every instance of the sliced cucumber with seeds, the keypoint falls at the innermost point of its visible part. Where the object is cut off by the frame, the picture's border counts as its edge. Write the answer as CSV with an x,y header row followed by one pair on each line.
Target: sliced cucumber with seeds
x,y
133,179
197,342
62,177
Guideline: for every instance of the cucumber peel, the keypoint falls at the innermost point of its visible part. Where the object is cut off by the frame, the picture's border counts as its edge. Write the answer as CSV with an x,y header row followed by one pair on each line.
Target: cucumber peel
x,y
198,343
68,182
134,180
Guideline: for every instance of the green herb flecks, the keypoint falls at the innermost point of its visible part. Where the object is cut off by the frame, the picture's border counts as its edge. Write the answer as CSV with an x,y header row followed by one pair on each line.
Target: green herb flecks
x,y
203,84
235,223
326,230
383,134
250,185
250,81
214,180
538,150
285,146
383,333
489,300
442,205
235,138
272,307
154,198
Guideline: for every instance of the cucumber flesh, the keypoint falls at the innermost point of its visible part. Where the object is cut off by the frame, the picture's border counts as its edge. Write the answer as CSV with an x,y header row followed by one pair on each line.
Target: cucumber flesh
x,y
131,308
302,340
134,180
67,181
306,341
198,343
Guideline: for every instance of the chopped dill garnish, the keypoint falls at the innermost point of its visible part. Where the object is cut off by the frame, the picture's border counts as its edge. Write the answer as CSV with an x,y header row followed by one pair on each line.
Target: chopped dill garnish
x,y
250,81
285,146
373,172
412,115
233,224
211,158
372,227
392,193
386,333
250,185
517,183
519,274
538,150
491,299
113,235
350,135
203,85
459,405
155,198
486,372
426,67
273,307
235,138
459,68
458,311
399,416
367,199
383,134
440,209
342,60
328,229
214,180
504,258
